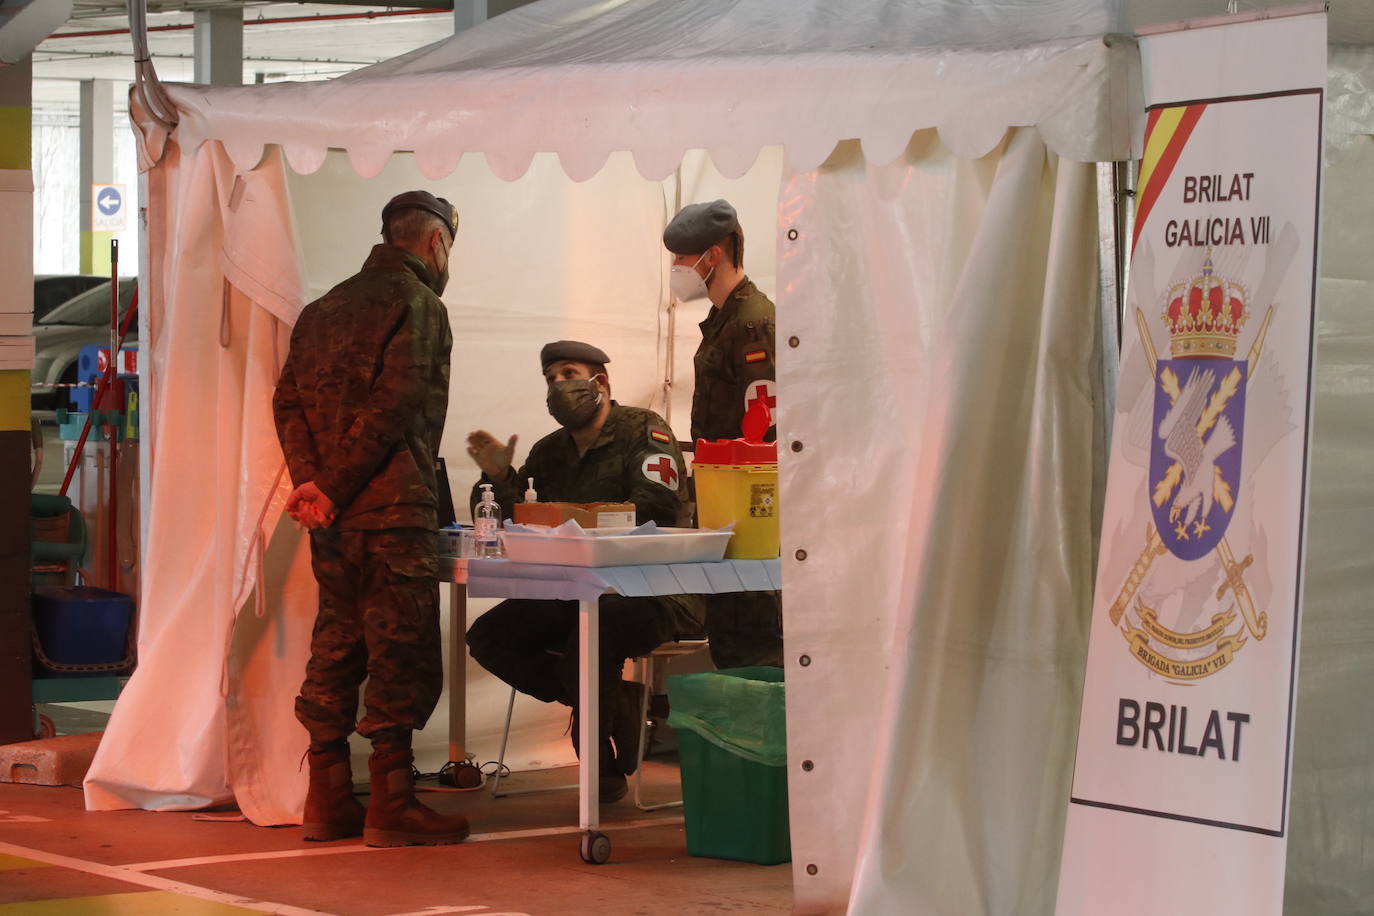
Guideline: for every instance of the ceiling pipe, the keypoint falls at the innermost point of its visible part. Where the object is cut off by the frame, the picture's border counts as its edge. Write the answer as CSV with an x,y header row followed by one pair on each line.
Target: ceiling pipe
x,y
146,84
330,17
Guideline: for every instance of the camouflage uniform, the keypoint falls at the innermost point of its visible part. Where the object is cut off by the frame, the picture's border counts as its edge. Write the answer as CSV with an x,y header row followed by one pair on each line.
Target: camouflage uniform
x,y
735,357
736,352
360,408
533,645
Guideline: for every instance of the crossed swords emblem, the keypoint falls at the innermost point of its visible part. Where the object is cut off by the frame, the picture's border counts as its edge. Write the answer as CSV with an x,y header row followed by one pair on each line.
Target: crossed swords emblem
x,y
1233,571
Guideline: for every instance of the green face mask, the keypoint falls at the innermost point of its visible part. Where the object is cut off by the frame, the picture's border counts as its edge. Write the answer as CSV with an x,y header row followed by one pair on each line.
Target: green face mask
x,y
574,403
441,279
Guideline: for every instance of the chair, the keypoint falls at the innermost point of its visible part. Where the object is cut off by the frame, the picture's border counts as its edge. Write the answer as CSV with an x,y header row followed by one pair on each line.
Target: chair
x,y
644,673
59,539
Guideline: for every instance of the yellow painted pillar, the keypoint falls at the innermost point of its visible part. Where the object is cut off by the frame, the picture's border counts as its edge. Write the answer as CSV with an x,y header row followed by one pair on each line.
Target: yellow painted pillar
x,y
16,359
95,252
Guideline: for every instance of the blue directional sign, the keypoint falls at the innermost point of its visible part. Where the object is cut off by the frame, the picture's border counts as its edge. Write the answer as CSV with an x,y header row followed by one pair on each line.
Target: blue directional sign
x,y
108,210
109,201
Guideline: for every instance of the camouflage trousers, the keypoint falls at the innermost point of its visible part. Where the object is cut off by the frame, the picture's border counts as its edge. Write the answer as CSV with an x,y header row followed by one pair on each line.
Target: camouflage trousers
x,y
378,621
533,645
745,628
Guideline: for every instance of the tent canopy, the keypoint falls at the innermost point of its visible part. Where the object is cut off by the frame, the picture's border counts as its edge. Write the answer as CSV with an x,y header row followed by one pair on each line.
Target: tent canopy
x,y
582,79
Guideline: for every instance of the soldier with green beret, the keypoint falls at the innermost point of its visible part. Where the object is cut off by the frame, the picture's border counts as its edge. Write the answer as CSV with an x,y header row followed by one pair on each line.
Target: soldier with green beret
x,y
602,452
734,368
359,409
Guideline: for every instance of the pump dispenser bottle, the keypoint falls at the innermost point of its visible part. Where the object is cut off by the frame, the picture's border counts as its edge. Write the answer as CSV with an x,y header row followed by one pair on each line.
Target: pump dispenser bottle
x,y
486,521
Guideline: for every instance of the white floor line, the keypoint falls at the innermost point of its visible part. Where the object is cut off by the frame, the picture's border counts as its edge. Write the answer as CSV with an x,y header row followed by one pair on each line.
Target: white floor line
x,y
347,848
153,882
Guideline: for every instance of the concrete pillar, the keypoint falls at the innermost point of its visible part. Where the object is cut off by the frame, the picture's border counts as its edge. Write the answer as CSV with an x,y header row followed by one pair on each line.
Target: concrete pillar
x,y
468,13
16,359
97,167
219,47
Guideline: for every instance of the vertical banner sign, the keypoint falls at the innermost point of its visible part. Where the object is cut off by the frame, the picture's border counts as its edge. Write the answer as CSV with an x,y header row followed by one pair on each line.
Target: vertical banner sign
x,y
1180,785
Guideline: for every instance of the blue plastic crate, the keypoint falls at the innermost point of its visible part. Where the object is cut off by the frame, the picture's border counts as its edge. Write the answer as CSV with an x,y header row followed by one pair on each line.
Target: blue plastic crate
x,y
82,625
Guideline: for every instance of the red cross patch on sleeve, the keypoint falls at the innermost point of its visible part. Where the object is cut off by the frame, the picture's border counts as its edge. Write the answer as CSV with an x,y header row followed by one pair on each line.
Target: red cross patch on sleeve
x,y
755,356
761,390
661,469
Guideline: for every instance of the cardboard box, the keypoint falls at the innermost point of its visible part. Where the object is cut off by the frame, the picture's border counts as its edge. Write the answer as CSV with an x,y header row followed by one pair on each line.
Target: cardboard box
x,y
588,515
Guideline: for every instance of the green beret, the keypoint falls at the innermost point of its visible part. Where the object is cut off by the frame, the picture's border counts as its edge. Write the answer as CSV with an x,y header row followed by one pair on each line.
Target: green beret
x,y
422,200
575,350
699,226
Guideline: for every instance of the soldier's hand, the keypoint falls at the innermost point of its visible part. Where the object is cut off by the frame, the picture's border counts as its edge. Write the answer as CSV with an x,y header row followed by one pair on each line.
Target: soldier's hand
x,y
491,456
309,506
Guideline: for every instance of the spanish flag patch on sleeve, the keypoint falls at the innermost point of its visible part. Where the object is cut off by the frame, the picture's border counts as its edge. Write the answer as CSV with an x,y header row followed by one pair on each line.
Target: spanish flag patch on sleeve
x,y
755,356
660,436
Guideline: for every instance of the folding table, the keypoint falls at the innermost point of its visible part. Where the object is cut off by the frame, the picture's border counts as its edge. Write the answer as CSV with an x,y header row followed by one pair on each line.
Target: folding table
x,y
492,578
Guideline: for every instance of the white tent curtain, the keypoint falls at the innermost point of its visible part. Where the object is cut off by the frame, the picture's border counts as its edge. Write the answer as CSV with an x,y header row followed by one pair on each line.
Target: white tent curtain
x,y
946,391
215,486
1331,842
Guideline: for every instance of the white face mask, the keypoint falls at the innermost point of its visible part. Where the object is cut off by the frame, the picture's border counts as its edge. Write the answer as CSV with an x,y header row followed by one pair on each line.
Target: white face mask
x,y
686,284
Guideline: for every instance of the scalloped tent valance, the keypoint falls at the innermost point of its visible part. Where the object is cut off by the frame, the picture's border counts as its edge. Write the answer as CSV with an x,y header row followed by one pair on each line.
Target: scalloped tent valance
x,y
584,78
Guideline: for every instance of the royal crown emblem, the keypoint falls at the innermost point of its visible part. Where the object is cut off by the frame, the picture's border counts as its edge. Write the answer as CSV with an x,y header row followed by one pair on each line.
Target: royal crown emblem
x,y
1204,315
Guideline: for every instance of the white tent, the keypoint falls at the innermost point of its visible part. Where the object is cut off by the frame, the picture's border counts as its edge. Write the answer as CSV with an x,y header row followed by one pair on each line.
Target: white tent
x,y
918,194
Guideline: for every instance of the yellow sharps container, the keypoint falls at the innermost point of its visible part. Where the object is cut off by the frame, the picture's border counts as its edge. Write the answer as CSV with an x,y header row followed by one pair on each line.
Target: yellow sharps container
x,y
737,481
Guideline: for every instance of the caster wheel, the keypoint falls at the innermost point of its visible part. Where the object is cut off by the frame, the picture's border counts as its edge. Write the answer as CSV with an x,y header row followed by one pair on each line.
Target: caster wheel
x,y
595,848
46,728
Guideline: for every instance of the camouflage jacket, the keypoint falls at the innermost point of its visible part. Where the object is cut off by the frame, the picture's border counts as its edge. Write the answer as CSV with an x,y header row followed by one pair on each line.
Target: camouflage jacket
x,y
361,400
734,363
635,459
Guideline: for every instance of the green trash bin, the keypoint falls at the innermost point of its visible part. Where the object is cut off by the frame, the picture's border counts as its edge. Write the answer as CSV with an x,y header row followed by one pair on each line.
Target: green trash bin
x,y
732,745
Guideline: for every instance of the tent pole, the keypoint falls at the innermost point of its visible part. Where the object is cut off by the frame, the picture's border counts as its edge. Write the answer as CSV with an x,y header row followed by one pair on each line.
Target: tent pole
x,y
670,363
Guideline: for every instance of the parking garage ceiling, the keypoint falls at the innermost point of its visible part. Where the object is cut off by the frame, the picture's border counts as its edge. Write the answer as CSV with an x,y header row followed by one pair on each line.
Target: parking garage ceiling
x,y
281,41
319,40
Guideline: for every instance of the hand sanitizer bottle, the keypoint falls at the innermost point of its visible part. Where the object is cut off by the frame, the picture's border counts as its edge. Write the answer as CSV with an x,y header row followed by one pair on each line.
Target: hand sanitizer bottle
x,y
486,521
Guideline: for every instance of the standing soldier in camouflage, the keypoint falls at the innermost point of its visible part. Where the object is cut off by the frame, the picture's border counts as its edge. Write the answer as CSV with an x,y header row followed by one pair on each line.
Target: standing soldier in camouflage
x,y
734,368
603,453
360,410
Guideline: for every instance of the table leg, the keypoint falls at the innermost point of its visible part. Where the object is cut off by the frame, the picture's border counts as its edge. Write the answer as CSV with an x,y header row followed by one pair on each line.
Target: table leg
x,y
457,671
589,728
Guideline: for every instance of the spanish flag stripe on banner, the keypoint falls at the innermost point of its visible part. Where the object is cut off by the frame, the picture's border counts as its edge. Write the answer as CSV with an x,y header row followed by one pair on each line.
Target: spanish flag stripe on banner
x,y
1166,133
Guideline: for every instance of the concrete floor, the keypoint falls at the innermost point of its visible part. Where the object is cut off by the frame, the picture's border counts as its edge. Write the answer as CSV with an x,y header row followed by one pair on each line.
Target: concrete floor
x,y
55,857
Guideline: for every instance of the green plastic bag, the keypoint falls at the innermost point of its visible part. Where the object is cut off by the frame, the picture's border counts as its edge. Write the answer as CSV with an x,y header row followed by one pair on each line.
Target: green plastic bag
x,y
740,710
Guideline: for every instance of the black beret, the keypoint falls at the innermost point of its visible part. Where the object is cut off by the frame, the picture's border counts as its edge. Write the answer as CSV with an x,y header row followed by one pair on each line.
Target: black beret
x,y
422,200
575,350
699,226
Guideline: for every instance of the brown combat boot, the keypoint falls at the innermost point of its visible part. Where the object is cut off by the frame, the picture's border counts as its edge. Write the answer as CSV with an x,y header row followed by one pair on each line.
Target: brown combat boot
x,y
331,811
395,817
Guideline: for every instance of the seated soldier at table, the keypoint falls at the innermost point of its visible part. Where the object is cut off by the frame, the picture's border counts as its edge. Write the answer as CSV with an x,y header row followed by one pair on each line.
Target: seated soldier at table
x,y
603,452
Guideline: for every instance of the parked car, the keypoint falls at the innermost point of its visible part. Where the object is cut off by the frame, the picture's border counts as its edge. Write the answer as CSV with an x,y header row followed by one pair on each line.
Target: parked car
x,y
60,334
51,290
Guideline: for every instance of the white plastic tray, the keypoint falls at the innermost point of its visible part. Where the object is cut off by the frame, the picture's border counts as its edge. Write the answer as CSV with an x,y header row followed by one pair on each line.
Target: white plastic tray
x,y
669,545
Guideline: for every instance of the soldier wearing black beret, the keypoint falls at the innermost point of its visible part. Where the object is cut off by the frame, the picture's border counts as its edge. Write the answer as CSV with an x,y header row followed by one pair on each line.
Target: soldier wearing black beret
x,y
734,369
603,452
